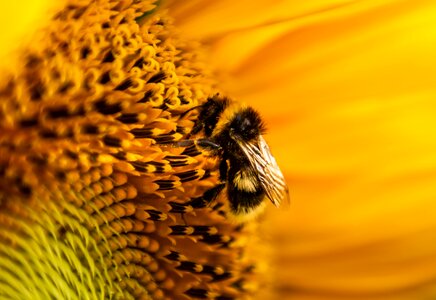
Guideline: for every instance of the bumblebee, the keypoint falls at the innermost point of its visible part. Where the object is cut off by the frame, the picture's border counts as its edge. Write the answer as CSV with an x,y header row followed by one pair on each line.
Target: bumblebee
x,y
247,168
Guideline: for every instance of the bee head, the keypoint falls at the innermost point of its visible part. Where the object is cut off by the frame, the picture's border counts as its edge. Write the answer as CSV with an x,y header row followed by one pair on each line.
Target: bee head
x,y
246,125
209,114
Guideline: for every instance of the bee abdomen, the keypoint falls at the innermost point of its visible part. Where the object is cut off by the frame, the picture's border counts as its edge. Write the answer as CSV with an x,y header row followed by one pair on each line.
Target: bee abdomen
x,y
246,181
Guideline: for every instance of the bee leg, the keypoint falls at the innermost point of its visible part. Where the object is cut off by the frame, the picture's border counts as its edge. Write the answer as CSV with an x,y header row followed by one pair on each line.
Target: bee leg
x,y
208,145
210,195
182,143
212,148
223,170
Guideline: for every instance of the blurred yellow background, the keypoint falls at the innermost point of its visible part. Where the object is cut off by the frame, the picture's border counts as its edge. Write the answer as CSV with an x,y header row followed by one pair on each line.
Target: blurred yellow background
x,y
348,92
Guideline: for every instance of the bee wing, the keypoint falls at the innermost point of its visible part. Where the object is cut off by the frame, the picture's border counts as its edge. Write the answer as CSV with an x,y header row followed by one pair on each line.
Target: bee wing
x,y
269,174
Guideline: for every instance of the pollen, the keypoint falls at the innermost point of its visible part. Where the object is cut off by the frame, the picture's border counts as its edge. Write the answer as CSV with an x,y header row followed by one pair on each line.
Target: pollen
x,y
95,202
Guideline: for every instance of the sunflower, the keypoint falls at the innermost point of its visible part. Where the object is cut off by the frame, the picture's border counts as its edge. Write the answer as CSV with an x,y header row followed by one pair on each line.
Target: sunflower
x,y
346,89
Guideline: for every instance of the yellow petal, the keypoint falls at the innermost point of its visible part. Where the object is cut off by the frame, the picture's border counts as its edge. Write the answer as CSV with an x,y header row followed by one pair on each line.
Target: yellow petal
x,y
206,19
19,20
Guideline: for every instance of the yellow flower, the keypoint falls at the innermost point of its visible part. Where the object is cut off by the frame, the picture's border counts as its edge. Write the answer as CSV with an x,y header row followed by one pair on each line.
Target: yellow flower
x,y
97,202
347,91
